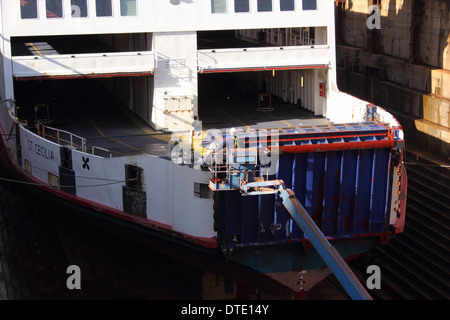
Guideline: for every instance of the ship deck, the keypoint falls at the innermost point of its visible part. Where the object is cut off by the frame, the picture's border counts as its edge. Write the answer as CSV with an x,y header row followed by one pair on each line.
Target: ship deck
x,y
86,110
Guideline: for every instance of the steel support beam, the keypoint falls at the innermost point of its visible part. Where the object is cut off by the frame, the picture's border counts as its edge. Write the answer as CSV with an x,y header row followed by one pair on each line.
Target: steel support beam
x,y
328,253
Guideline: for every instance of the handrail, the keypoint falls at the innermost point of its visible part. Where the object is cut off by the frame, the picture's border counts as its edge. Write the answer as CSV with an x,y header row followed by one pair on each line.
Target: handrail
x,y
43,131
41,128
102,149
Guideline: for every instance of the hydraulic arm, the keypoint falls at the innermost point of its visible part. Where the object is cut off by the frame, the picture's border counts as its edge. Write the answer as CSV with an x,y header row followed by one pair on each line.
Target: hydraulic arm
x,y
328,253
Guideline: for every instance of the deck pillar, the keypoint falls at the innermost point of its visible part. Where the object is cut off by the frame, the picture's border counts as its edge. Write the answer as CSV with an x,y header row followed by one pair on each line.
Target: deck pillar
x,y
175,81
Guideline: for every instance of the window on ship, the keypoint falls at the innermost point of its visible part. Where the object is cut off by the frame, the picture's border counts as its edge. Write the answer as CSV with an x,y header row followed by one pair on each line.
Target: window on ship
x,y
309,4
103,8
128,7
79,8
28,9
287,5
264,5
241,6
54,8
218,6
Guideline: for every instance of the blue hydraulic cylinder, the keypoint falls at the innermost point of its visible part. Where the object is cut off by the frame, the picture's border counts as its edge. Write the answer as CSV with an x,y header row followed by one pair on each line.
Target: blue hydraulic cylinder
x,y
328,253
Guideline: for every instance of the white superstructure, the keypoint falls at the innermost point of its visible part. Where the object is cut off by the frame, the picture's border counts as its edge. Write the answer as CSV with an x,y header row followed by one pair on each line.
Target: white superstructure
x,y
158,39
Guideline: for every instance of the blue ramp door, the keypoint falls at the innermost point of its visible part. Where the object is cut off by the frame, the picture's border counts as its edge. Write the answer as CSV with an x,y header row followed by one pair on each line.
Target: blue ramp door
x,y
345,192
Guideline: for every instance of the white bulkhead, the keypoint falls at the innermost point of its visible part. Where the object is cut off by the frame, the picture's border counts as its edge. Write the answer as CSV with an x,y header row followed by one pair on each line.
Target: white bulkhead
x,y
157,39
171,58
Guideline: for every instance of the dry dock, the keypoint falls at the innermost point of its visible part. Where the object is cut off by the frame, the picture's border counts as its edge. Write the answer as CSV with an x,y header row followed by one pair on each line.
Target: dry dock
x,y
37,245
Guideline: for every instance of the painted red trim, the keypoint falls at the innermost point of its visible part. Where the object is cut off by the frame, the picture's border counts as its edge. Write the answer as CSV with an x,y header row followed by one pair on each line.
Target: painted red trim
x,y
269,141
354,135
154,225
263,68
338,146
85,76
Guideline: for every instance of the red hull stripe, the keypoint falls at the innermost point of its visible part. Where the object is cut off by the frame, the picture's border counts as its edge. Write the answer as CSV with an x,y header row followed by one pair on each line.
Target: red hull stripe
x,y
167,229
262,69
85,76
205,242
338,146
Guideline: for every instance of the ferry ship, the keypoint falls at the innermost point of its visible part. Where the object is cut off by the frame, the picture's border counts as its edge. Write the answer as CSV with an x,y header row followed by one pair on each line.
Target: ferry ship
x,y
177,121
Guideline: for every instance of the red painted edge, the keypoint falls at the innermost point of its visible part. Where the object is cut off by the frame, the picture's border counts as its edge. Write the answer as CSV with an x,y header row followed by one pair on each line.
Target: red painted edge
x,y
86,76
263,69
338,146
154,225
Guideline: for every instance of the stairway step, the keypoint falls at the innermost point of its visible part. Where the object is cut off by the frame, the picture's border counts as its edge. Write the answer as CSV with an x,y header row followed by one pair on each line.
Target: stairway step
x,y
417,207
436,254
437,280
432,166
429,175
416,264
403,285
433,189
430,219
427,233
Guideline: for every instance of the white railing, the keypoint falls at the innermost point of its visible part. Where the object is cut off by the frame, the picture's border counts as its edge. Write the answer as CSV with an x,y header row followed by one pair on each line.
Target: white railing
x,y
86,64
61,136
261,57
66,137
107,151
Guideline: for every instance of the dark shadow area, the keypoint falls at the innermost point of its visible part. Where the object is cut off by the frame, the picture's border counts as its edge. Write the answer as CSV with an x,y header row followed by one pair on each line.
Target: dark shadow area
x,y
44,239
222,39
87,109
415,262
51,45
231,100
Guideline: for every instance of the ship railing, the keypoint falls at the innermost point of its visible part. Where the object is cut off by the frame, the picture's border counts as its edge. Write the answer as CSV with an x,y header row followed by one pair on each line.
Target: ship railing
x,y
75,141
61,136
227,175
107,151
58,135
